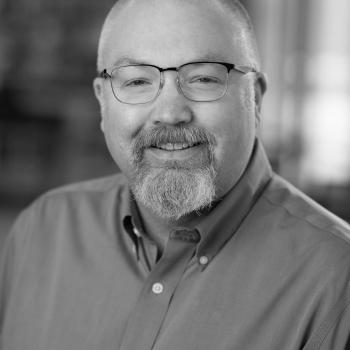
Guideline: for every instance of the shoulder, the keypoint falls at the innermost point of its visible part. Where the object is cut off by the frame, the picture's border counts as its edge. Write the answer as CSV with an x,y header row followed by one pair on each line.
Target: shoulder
x,y
64,223
299,211
309,249
85,191
303,234
100,185
69,205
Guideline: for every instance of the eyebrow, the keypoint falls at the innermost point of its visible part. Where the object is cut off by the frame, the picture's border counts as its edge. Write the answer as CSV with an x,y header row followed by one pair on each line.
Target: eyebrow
x,y
210,57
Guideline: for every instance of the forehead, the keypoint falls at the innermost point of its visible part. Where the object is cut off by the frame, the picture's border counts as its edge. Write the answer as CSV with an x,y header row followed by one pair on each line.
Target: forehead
x,y
169,32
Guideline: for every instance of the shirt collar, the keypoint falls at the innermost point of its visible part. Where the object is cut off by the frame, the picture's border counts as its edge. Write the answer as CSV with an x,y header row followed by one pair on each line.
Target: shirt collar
x,y
132,222
218,225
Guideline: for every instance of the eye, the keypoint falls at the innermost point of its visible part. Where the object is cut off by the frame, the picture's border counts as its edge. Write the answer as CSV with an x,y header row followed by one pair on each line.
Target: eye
x,y
139,82
204,79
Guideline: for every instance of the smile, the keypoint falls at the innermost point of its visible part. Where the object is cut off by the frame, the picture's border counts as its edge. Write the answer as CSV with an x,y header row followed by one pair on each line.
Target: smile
x,y
175,146
186,154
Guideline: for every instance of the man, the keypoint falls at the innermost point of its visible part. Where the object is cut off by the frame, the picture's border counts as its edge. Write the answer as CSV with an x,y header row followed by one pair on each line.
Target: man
x,y
198,245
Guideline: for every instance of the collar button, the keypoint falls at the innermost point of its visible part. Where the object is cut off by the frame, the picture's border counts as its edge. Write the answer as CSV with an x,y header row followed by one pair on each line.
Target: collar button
x,y
157,288
203,260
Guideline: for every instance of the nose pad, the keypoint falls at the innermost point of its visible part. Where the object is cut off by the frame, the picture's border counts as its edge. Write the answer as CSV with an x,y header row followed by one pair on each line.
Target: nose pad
x,y
161,84
178,86
177,81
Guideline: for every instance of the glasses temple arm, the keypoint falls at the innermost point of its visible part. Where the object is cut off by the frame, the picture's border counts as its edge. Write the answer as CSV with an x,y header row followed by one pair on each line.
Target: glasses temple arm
x,y
103,74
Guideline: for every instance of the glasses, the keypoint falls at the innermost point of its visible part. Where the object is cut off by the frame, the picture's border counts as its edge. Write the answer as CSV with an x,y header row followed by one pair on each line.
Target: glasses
x,y
197,81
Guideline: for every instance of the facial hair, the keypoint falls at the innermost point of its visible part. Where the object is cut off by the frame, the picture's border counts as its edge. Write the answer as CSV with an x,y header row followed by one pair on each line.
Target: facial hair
x,y
177,188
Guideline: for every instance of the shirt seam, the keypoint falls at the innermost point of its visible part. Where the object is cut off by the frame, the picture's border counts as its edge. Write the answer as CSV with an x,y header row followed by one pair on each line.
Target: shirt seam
x,y
333,233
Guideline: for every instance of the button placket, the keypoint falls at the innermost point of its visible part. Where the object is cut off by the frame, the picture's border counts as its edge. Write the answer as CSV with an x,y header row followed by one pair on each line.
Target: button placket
x,y
156,295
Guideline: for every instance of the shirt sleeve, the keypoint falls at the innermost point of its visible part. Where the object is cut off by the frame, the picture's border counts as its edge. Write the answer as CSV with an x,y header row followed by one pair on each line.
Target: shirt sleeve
x,y
334,332
8,258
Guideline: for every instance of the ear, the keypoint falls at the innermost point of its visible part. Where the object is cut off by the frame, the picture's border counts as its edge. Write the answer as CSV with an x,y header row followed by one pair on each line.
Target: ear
x,y
260,86
99,95
98,89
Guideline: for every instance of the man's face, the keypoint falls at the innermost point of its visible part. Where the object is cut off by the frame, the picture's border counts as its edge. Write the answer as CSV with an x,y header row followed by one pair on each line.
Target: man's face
x,y
169,33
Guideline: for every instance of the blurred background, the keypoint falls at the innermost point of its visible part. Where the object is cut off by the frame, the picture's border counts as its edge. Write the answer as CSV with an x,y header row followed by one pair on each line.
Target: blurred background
x,y
49,124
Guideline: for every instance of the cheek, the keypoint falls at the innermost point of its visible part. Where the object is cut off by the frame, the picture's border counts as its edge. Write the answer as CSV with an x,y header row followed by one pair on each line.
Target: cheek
x,y
235,136
235,132
119,127
115,143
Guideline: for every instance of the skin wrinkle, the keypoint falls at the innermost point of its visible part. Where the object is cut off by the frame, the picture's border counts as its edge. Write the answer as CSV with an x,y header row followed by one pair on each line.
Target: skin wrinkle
x,y
172,188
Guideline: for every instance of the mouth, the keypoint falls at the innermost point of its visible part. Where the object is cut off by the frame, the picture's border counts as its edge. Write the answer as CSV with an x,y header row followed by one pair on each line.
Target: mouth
x,y
189,155
174,146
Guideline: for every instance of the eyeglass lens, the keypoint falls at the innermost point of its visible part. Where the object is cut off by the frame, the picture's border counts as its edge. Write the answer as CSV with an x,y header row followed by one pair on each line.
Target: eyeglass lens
x,y
198,82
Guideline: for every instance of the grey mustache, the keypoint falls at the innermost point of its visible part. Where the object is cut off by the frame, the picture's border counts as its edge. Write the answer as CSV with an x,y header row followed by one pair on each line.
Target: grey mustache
x,y
157,136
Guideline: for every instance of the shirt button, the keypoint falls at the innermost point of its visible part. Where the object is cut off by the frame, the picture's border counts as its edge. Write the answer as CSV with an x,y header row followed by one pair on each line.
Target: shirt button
x,y
203,260
157,288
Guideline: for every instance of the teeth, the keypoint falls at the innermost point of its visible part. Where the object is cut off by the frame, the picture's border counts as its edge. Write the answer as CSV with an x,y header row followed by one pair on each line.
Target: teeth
x,y
175,146
178,146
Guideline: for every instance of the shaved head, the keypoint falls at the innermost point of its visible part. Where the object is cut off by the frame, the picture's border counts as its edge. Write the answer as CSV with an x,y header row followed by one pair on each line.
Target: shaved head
x,y
173,33
242,30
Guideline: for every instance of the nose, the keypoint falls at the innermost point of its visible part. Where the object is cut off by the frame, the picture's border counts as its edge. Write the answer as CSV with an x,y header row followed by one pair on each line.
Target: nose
x,y
171,106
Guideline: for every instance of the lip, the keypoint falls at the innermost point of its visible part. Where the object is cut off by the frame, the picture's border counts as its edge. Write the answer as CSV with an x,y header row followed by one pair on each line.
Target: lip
x,y
193,155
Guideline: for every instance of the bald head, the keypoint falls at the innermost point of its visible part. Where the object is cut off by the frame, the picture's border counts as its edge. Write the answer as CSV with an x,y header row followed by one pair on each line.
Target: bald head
x,y
242,31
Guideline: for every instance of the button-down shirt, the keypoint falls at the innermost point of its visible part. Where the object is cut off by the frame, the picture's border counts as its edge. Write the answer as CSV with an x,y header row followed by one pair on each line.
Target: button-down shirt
x,y
265,269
